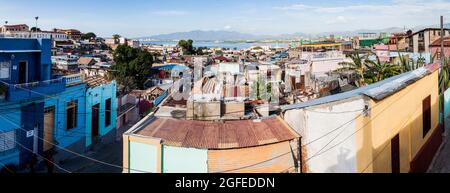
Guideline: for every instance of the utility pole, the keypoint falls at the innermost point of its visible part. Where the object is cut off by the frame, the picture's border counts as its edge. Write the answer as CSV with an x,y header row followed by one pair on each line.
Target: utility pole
x,y
36,26
442,57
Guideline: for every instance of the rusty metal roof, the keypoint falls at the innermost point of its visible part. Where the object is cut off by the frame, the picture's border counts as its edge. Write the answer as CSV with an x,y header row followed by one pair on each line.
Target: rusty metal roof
x,y
216,135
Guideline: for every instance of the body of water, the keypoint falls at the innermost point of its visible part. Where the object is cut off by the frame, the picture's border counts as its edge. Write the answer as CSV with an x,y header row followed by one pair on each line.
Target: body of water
x,y
228,45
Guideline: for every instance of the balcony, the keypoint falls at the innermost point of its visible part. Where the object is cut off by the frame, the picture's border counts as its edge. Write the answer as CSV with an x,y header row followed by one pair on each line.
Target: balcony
x,y
73,79
35,90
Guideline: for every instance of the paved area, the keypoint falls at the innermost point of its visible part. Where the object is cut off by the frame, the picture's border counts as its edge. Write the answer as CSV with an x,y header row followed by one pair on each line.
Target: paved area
x,y
441,162
108,153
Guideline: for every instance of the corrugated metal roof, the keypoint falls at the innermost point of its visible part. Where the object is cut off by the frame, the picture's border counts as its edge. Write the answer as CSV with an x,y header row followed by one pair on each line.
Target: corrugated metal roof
x,y
377,91
215,135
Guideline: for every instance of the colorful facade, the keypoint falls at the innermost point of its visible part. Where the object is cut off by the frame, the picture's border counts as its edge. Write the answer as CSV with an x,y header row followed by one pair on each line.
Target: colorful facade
x,y
41,113
389,126
162,145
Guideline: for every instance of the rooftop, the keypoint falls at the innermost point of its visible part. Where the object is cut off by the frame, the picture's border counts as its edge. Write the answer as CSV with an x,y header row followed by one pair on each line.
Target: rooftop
x,y
217,135
437,43
377,91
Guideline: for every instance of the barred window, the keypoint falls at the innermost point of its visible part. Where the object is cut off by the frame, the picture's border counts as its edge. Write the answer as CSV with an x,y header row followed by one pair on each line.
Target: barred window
x,y
7,141
4,70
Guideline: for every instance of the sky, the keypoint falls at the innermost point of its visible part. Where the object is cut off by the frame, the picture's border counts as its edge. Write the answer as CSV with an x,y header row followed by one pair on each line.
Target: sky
x,y
138,18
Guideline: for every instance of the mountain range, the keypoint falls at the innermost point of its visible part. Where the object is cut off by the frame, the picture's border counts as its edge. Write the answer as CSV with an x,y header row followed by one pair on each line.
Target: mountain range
x,y
221,35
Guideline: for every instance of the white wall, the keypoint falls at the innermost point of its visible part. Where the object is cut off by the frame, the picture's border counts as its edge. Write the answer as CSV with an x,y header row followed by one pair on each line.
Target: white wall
x,y
315,122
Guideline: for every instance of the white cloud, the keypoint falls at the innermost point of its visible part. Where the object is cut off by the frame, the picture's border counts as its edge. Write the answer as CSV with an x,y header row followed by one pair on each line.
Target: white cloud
x,y
227,27
396,7
339,20
296,7
170,13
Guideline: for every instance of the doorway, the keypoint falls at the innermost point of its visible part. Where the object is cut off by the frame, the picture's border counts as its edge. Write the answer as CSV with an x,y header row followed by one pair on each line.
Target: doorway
x,y
124,119
49,126
95,122
23,72
395,154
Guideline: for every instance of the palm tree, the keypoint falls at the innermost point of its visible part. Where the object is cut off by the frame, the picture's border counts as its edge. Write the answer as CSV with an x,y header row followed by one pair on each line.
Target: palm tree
x,y
377,70
356,65
444,75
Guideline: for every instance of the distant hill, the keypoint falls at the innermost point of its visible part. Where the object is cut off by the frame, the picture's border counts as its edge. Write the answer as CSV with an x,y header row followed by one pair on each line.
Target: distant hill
x,y
199,35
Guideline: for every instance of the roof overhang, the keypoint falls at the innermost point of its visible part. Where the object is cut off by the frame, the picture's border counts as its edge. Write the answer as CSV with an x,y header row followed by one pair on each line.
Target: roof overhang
x,y
19,51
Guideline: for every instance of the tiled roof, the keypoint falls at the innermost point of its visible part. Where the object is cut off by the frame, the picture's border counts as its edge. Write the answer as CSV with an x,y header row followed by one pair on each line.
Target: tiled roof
x,y
215,135
94,81
85,60
437,43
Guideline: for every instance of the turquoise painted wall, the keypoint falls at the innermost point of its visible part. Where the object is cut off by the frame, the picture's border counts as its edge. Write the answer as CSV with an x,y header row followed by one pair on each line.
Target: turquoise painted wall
x,y
143,157
184,160
65,137
99,95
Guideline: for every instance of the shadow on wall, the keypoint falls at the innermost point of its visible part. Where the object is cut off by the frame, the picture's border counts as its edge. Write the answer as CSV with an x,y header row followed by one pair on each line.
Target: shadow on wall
x,y
343,159
382,159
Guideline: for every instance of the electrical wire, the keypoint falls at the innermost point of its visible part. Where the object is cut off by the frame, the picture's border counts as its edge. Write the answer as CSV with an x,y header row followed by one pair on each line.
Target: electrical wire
x,y
24,147
364,126
317,153
387,144
75,153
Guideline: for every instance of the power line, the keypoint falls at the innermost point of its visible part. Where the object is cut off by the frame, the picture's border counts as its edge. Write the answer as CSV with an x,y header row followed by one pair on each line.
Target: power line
x,y
317,154
372,118
387,144
37,153
6,167
75,153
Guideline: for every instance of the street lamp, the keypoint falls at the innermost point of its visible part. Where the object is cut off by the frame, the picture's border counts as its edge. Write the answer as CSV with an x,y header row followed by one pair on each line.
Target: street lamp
x,y
36,26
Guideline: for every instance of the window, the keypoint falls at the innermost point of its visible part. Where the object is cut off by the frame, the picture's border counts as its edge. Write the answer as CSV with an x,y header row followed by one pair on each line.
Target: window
x,y
108,113
71,116
7,141
426,115
4,70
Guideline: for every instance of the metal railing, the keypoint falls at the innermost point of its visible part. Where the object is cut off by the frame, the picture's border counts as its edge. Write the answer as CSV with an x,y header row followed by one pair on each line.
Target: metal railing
x,y
73,79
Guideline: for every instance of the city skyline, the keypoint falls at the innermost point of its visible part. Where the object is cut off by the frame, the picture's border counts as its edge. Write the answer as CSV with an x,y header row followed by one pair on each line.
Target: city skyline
x,y
146,18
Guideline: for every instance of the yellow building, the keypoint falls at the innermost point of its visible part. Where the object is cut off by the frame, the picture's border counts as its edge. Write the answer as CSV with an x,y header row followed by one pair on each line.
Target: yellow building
x,y
389,126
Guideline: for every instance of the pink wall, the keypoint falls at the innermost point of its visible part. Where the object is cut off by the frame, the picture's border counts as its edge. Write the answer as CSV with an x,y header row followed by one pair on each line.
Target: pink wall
x,y
434,50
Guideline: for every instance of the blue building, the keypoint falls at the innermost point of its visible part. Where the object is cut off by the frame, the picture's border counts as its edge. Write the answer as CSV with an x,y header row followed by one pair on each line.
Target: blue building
x,y
41,113
101,107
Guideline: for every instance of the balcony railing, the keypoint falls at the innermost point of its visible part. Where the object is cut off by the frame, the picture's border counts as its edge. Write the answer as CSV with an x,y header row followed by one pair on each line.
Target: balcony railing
x,y
34,90
73,79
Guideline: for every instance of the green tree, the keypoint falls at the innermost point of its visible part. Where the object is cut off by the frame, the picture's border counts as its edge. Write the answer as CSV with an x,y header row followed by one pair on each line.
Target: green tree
x,y
356,65
34,29
116,38
187,47
200,50
88,36
131,62
444,75
377,70
219,52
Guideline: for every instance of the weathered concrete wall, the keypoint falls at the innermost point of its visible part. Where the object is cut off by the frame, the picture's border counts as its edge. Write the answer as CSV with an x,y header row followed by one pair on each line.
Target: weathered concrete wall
x,y
203,110
233,109
334,119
